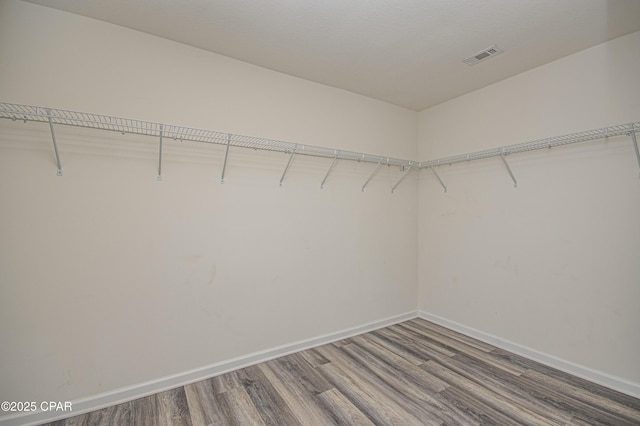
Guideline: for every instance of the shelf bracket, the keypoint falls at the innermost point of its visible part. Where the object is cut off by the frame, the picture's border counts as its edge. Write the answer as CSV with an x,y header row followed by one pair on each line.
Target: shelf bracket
x,y
406,172
439,180
226,154
504,160
632,133
372,175
55,145
293,151
160,155
335,158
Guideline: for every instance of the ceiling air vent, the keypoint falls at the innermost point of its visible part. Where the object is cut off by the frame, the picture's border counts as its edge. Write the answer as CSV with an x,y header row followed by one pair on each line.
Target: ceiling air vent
x,y
483,55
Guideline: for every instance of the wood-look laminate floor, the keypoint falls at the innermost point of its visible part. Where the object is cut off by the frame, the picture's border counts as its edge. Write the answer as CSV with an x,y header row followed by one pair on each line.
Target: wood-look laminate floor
x,y
413,373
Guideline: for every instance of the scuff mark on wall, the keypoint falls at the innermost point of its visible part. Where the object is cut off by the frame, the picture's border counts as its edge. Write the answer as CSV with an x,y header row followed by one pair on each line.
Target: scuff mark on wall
x,y
67,382
212,274
193,259
507,265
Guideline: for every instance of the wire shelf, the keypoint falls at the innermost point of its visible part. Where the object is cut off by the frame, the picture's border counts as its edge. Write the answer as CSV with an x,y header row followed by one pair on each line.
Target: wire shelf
x,y
127,125
589,135
181,133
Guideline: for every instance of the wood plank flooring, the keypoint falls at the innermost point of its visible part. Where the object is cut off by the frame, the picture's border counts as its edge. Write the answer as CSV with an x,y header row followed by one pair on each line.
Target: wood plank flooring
x,y
413,373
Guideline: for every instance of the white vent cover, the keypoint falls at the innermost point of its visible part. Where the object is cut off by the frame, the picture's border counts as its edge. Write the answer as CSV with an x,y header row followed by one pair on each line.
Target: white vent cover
x,y
483,55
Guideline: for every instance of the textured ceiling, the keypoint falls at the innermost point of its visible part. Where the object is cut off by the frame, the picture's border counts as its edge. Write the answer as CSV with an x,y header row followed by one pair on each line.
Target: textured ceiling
x,y
404,52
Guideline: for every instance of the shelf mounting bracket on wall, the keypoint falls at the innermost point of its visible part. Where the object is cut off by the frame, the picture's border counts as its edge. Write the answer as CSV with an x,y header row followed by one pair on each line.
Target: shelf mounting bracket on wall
x,y
160,155
406,172
226,154
293,151
504,160
439,180
55,145
333,162
372,174
632,133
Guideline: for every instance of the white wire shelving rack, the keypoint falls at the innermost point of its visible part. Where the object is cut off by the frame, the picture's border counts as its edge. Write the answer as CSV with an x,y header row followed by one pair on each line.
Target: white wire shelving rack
x,y
54,116
181,133
629,129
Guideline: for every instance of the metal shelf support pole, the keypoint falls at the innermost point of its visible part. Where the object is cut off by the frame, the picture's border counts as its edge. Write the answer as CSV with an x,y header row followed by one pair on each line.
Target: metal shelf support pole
x,y
55,145
293,151
439,180
335,158
632,133
226,154
406,172
504,160
160,155
372,175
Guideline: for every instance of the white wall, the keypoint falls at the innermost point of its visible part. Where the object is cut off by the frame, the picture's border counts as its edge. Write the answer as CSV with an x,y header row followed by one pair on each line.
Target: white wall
x,y
110,278
553,265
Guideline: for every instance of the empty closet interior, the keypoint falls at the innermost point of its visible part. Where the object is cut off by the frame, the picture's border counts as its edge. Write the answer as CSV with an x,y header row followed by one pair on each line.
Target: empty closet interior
x,y
169,213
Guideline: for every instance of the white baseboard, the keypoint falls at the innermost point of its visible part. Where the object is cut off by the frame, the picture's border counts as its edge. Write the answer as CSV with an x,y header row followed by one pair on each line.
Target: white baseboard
x,y
140,390
604,379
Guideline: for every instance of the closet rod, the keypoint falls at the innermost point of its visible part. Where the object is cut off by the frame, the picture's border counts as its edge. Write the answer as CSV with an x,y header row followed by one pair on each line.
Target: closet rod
x,y
589,135
181,133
